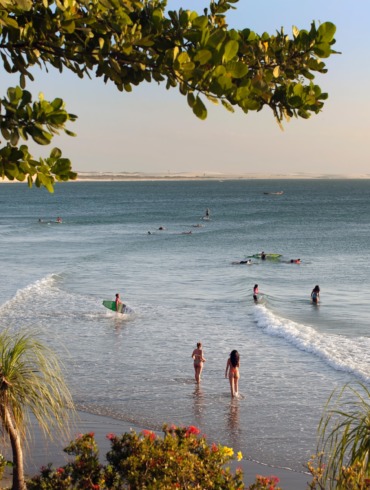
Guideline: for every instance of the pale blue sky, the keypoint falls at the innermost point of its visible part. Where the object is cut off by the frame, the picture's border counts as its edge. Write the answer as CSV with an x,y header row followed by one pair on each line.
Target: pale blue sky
x,y
153,130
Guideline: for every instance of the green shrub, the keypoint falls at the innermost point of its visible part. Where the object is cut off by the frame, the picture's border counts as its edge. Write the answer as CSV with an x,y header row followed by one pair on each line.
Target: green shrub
x,y
182,458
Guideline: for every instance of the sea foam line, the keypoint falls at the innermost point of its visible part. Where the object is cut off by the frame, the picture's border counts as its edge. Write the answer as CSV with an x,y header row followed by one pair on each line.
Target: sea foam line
x,y
39,286
340,352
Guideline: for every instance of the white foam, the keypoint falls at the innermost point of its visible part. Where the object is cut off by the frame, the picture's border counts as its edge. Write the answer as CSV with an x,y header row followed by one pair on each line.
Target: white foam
x,y
342,353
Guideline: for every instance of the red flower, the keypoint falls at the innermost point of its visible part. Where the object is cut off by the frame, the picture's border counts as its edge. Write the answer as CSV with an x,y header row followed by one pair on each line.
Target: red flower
x,y
214,447
149,434
60,471
111,436
192,430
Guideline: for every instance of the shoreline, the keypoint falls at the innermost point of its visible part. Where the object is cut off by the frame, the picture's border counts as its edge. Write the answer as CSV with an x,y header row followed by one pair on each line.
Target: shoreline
x,y
41,452
198,176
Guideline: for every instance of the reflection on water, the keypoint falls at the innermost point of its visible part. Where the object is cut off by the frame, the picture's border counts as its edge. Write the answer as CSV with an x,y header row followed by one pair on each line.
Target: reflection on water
x,y
233,423
198,405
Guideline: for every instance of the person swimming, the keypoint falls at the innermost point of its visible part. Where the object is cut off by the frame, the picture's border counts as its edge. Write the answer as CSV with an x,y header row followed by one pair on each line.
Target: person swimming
x,y
295,261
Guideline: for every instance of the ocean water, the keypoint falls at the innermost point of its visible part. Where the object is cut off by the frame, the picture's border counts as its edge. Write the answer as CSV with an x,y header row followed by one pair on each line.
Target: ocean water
x,y
183,288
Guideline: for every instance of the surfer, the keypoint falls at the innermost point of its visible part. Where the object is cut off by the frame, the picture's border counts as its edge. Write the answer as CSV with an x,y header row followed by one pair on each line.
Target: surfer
x,y
197,355
248,262
295,261
232,369
207,213
315,295
118,302
263,256
255,293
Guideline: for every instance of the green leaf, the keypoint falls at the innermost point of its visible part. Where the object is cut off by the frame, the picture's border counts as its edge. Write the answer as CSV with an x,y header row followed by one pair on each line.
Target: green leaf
x,y
237,69
200,22
199,109
326,32
227,105
191,99
216,39
55,153
230,51
203,56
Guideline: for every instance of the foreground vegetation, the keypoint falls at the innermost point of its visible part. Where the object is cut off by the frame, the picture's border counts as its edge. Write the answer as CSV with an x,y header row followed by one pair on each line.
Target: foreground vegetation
x,y
131,42
31,381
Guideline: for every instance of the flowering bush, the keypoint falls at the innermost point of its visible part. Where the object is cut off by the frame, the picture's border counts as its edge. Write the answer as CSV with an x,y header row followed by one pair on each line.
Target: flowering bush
x,y
181,459
85,472
350,477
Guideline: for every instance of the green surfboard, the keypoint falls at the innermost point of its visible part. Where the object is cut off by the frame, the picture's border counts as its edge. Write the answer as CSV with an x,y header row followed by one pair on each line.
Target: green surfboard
x,y
111,305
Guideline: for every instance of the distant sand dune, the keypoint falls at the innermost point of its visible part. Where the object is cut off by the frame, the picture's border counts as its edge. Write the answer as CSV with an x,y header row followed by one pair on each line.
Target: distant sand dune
x,y
141,176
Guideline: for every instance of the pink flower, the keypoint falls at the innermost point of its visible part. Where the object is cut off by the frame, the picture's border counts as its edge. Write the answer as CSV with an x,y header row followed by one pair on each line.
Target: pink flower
x,y
111,436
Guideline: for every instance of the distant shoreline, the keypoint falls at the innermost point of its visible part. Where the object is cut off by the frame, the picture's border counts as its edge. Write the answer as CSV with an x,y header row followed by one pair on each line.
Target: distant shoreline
x,y
193,176
138,176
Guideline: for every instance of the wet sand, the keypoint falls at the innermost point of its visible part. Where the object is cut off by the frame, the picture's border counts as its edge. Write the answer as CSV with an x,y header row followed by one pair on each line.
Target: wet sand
x,y
42,452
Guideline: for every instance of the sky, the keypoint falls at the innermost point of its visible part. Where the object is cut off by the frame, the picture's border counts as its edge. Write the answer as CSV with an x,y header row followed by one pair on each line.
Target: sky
x,y
153,130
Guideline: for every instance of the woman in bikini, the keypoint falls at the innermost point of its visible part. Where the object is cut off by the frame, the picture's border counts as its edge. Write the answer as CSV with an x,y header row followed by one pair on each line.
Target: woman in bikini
x,y
232,369
197,355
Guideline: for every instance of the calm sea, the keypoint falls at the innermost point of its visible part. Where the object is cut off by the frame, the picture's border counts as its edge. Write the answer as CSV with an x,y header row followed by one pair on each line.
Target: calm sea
x,y
183,288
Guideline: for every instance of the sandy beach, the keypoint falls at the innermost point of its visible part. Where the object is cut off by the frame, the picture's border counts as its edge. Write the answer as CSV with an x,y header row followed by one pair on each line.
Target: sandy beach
x,y
41,452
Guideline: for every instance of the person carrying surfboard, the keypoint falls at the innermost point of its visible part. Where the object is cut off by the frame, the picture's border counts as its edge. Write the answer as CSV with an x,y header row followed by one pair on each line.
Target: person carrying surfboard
x,y
118,302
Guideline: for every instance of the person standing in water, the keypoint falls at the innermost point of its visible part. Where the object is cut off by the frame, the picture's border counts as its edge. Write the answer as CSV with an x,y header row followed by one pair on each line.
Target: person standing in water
x,y
118,303
315,294
232,371
197,355
255,293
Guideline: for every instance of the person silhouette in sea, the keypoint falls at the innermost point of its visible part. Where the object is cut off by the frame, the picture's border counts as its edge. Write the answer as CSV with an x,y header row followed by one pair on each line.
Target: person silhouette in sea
x,y
232,371
255,293
263,256
199,361
295,261
315,294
